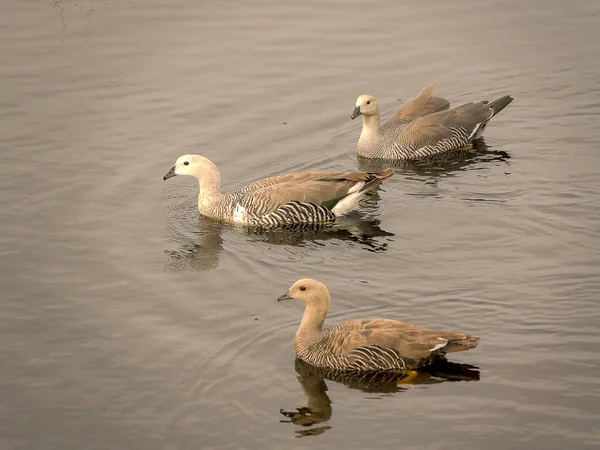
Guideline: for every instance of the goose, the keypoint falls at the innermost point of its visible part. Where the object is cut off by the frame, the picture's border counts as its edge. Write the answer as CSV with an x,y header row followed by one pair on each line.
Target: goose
x,y
423,127
287,200
368,344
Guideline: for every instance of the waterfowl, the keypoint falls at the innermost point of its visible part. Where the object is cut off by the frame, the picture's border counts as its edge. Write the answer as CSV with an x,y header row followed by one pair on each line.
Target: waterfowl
x,y
423,127
365,345
293,199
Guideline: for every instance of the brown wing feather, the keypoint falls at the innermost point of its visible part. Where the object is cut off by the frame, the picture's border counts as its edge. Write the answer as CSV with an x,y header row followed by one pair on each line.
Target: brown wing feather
x,y
316,192
432,128
310,187
422,104
301,177
283,178
409,340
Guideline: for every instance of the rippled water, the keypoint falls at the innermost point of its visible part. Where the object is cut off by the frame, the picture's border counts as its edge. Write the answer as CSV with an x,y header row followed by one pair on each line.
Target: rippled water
x,y
127,322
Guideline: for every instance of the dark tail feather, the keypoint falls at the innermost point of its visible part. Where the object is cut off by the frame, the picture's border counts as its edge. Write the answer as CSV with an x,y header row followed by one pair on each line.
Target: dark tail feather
x,y
460,345
438,104
377,178
501,103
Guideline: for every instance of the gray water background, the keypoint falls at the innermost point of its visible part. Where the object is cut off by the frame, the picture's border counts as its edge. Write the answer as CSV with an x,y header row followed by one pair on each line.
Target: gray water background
x,y
127,322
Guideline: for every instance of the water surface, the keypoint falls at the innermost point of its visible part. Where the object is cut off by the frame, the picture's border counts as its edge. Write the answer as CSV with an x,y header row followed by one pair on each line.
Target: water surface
x,y
128,322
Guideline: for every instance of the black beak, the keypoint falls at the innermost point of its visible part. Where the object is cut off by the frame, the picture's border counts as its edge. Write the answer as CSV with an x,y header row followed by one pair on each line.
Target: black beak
x,y
356,113
285,296
170,174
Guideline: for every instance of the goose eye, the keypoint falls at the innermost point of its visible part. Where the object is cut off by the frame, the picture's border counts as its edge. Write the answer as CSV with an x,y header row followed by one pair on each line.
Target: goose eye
x,y
302,288
186,163
369,102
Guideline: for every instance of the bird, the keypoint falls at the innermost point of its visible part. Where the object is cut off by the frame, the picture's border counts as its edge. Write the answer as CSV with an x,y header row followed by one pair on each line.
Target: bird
x,y
368,344
286,200
423,127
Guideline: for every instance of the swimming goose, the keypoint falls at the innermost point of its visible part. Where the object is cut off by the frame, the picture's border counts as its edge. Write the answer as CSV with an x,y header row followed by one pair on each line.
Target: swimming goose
x,y
365,345
423,126
293,199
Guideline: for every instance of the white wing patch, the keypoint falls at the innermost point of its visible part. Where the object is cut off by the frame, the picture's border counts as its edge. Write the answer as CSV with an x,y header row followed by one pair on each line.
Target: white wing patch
x,y
239,215
475,130
347,204
478,126
437,347
357,187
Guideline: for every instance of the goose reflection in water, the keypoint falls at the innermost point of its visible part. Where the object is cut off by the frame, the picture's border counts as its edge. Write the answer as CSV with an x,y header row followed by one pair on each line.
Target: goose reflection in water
x,y
319,410
202,253
352,228
441,165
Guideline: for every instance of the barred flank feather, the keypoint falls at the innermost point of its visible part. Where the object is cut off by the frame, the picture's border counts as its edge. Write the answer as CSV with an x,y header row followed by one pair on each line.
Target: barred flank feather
x,y
459,138
376,358
323,351
294,213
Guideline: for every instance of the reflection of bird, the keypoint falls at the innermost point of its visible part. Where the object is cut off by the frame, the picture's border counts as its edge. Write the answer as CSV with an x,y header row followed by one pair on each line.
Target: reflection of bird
x,y
201,254
351,228
424,126
302,198
319,410
392,381
365,345
442,164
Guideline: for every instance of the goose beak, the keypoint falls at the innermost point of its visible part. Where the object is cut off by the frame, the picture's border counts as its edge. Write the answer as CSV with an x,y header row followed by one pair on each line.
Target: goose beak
x,y
356,113
285,296
170,174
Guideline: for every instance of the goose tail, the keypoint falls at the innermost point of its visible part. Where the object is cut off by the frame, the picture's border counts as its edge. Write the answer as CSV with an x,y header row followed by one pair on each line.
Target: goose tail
x,y
376,178
465,342
351,200
499,104
496,106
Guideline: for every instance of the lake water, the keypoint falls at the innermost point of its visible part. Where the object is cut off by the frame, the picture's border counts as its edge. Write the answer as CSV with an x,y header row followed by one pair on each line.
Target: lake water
x,y
127,322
